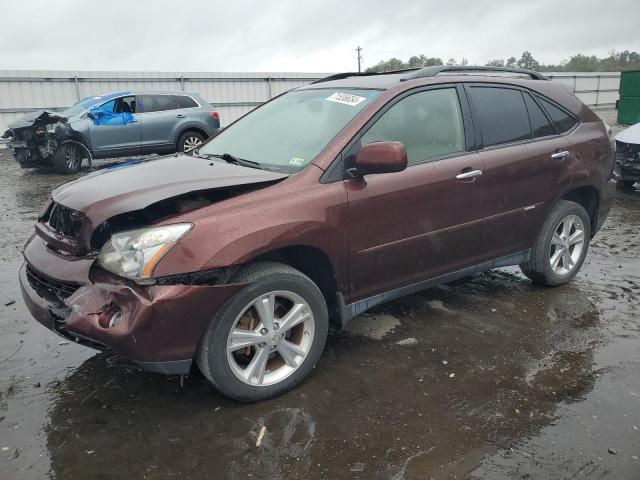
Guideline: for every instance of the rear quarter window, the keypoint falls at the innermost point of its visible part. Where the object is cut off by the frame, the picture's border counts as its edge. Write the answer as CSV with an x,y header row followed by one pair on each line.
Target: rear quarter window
x,y
185,102
540,124
157,103
502,115
561,119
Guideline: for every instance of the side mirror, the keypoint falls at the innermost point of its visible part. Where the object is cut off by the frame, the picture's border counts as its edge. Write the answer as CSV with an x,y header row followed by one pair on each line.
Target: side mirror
x,y
95,113
381,157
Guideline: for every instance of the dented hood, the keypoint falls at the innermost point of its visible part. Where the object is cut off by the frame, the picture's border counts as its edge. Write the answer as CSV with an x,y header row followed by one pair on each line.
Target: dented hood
x,y
39,117
134,186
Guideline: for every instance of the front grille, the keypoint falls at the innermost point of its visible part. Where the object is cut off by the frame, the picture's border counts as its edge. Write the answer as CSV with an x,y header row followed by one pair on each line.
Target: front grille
x,y
65,220
48,288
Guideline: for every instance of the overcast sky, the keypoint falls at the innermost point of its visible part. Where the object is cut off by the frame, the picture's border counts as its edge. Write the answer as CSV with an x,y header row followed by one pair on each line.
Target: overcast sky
x,y
297,36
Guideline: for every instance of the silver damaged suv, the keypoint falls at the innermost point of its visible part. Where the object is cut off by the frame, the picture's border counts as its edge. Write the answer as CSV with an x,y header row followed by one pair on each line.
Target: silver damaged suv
x,y
112,125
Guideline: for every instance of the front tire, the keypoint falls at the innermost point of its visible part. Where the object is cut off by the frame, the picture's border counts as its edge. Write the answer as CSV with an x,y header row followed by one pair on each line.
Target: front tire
x,y
268,337
68,158
561,246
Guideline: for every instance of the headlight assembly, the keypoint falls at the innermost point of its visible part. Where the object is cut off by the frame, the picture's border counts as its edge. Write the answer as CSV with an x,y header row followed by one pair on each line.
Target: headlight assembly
x,y
134,254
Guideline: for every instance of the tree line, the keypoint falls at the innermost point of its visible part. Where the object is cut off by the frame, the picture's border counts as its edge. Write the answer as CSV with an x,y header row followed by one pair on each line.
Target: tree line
x,y
616,61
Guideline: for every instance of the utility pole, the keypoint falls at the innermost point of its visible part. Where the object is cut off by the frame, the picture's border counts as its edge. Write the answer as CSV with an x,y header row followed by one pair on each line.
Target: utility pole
x,y
359,50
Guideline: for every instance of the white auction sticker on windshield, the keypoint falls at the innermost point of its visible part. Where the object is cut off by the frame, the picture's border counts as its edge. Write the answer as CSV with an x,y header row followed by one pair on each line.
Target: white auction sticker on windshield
x,y
346,98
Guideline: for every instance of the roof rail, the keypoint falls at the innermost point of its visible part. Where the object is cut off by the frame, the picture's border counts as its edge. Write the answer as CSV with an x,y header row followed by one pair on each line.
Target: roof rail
x,y
433,71
340,76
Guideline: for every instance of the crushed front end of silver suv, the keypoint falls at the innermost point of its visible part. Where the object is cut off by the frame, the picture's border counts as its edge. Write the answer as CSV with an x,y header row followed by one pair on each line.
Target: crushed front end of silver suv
x,y
36,136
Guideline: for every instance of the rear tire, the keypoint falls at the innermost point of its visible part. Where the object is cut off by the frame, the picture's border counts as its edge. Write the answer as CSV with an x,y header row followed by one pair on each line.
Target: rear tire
x,y
282,320
561,246
68,158
190,141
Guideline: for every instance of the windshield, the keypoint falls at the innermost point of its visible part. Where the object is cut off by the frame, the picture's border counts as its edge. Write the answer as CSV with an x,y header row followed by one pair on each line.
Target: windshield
x,y
81,106
292,129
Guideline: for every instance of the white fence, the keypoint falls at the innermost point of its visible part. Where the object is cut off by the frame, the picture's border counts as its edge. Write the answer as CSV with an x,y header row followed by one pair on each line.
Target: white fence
x,y
231,94
596,89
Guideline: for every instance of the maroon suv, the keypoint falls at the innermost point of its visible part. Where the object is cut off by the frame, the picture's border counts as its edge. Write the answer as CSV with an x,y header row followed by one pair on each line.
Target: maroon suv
x,y
322,203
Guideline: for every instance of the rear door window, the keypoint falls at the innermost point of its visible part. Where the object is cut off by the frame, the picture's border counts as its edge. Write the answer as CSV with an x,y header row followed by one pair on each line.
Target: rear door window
x,y
185,102
561,119
502,115
539,122
157,103
429,124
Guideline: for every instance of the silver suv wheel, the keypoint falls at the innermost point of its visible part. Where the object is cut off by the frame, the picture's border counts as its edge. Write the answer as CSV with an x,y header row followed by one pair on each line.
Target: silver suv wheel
x,y
191,143
73,158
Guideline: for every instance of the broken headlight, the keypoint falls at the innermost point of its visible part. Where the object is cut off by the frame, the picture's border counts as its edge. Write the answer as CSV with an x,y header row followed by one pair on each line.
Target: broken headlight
x,y
134,254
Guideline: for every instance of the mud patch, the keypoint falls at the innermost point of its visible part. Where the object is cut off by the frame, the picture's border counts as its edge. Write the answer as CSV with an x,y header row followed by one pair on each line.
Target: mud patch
x,y
375,327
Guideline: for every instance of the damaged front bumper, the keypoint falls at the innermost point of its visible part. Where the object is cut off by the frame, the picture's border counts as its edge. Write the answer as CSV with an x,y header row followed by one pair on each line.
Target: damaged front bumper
x,y
35,137
627,162
158,327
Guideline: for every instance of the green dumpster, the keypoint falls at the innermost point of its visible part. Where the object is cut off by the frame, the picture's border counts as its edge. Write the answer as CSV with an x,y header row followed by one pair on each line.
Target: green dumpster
x,y
629,104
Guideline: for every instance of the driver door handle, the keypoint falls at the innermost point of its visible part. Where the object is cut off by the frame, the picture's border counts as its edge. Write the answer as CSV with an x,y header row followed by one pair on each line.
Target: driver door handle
x,y
465,175
560,155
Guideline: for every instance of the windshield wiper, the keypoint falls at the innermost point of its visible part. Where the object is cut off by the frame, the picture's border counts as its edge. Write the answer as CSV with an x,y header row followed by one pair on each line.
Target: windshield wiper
x,y
227,157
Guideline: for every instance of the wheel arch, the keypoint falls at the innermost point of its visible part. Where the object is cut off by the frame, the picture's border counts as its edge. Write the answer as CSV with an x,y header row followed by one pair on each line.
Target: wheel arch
x,y
80,138
189,128
589,198
315,264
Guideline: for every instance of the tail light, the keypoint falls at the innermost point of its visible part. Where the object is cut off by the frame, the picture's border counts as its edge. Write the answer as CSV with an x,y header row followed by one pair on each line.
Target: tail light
x,y
214,115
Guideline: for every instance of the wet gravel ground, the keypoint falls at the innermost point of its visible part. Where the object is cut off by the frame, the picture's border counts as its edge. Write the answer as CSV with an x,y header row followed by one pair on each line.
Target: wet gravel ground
x,y
491,377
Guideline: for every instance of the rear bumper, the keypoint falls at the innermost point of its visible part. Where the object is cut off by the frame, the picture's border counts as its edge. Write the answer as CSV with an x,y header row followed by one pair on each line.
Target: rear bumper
x,y
160,326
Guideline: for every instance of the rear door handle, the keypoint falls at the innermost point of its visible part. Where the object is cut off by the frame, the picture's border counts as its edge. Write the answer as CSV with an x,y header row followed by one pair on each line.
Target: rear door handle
x,y
465,175
560,155
180,115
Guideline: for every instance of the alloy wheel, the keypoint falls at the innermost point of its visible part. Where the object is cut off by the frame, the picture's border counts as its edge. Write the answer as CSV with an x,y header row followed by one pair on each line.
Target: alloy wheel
x,y
567,244
191,143
72,157
270,338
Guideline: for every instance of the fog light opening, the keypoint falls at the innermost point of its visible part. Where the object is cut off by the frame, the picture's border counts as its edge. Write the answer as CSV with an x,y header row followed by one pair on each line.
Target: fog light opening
x,y
115,319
